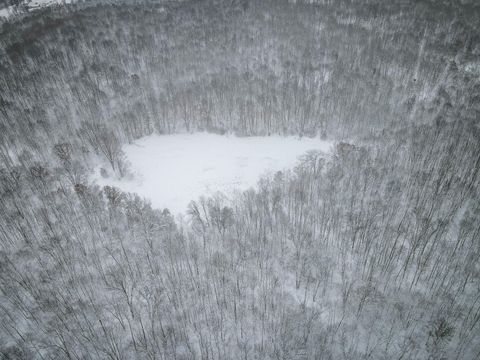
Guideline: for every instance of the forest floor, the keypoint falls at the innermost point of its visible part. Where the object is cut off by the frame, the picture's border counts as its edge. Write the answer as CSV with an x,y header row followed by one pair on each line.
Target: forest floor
x,y
172,170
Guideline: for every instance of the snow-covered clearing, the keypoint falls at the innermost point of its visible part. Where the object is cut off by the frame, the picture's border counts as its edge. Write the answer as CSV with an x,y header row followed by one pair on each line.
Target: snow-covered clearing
x,y
172,170
27,6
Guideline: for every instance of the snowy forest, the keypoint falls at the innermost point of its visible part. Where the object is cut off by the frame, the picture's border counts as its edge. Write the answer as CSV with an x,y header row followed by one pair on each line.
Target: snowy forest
x,y
371,252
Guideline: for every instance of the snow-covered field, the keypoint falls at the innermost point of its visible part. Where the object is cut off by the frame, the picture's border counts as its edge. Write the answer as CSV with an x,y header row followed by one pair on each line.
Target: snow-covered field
x,y
172,170
29,6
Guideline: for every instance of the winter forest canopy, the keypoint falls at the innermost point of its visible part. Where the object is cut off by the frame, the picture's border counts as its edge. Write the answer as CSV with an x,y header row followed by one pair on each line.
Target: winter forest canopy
x,y
370,252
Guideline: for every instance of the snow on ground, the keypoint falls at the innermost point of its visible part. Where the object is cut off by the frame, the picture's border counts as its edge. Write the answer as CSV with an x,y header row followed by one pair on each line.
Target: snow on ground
x,y
29,6
172,170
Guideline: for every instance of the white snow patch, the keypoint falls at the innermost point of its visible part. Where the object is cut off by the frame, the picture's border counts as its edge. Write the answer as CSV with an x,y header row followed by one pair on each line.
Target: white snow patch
x,y
172,170
30,6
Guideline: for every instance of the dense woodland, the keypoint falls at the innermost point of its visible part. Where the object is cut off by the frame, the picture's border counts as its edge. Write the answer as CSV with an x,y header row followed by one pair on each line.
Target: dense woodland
x,y
373,252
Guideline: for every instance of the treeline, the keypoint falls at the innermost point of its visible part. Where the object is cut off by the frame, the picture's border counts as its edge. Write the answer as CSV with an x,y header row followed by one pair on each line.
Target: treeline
x,y
250,67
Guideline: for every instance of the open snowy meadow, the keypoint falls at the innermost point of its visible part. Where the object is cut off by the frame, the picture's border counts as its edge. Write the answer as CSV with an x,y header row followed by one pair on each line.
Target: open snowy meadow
x,y
172,170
